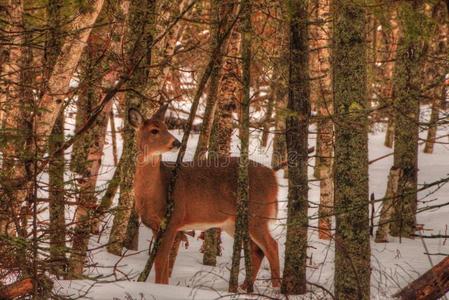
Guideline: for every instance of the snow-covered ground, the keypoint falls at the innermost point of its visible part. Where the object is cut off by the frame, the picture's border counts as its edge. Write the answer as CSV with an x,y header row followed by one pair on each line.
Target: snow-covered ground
x,y
393,264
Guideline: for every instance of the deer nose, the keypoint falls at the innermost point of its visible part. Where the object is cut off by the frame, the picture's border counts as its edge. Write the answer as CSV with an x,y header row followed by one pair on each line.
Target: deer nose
x,y
176,144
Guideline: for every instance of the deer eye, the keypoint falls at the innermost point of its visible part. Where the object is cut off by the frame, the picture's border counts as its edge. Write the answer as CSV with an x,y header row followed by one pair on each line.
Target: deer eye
x,y
154,131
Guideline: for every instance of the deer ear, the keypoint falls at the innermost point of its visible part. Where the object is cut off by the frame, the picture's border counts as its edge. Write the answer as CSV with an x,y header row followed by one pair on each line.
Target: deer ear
x,y
135,118
160,114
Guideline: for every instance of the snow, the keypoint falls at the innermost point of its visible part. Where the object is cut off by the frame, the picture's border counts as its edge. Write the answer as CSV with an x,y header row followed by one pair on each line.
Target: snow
x,y
393,264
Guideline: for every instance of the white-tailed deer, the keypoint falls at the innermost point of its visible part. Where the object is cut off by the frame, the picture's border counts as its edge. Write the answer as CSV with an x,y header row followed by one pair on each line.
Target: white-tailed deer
x,y
204,195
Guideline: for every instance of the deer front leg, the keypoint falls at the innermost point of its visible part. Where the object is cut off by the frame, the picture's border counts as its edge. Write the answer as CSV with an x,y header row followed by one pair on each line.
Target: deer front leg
x,y
161,261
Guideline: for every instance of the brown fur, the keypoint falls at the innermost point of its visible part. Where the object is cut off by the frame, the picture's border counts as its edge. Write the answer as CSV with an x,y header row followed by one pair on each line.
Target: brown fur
x,y
204,195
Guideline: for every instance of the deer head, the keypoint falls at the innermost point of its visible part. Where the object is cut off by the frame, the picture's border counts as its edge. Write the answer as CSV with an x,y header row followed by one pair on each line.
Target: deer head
x,y
152,135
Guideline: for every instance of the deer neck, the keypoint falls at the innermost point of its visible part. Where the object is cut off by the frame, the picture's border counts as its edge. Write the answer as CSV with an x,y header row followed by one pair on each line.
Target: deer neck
x,y
149,187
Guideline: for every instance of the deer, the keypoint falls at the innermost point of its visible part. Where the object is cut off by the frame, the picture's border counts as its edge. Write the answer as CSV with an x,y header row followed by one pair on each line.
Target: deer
x,y
205,195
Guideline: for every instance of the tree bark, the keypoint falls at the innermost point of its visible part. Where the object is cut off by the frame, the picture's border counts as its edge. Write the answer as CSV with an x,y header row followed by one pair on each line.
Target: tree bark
x,y
93,145
387,92
407,90
141,20
297,126
241,236
58,84
432,285
279,154
434,118
222,12
13,128
438,50
388,206
228,96
352,239
268,120
325,135
56,191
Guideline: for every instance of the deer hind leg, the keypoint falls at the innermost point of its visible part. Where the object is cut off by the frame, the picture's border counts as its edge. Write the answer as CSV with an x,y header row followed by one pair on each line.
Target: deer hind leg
x,y
257,256
261,235
161,262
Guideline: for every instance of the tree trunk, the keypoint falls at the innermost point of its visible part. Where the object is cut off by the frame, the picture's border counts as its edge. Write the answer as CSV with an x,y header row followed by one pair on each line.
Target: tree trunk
x,y
387,93
279,154
438,50
406,104
93,145
280,81
434,118
297,126
182,150
13,128
56,199
268,120
241,236
352,239
325,135
388,205
58,83
432,285
141,19
228,96
56,191
222,12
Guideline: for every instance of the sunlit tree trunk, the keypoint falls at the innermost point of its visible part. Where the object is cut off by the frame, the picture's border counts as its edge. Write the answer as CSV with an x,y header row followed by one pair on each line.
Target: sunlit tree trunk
x,y
388,75
90,158
297,127
325,133
58,83
352,239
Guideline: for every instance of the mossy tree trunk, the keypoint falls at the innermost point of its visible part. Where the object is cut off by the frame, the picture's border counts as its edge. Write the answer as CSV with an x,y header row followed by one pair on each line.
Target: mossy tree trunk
x,y
297,126
407,91
141,25
438,50
280,81
89,159
241,236
65,67
352,239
